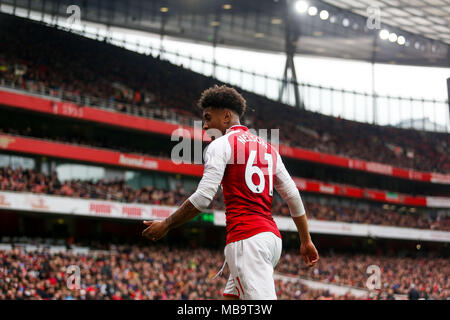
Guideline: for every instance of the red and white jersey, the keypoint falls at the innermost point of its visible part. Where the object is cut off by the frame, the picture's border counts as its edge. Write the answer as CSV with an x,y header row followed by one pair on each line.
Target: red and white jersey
x,y
247,185
246,167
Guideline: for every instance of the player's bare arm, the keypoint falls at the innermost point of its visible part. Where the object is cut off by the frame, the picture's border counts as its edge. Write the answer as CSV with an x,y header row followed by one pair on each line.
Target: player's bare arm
x,y
307,248
215,162
158,229
288,190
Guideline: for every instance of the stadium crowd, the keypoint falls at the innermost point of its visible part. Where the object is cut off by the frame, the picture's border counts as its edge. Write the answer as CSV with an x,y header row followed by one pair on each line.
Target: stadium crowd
x,y
368,215
27,180
97,73
160,272
154,147
428,275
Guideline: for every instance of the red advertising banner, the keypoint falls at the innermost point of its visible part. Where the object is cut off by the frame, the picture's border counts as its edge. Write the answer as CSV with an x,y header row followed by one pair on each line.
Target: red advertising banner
x,y
355,192
93,155
67,109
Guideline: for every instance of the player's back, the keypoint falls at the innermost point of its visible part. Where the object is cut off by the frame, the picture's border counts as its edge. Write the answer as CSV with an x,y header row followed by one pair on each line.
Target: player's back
x,y
247,185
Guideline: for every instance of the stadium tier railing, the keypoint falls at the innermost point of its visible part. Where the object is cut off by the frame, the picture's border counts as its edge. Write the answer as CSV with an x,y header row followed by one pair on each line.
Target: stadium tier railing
x,y
155,112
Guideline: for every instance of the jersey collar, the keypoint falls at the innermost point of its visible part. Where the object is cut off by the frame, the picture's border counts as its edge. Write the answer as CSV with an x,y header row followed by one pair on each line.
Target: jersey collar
x,y
237,127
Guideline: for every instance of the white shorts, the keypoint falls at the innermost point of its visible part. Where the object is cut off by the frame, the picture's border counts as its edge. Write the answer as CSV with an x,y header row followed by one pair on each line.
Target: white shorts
x,y
251,262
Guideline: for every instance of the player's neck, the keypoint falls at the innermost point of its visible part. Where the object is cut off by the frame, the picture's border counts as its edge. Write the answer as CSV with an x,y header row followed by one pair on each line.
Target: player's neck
x,y
234,123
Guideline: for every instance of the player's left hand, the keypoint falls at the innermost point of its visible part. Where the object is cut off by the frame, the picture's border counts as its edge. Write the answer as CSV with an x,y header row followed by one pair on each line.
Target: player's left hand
x,y
309,253
155,230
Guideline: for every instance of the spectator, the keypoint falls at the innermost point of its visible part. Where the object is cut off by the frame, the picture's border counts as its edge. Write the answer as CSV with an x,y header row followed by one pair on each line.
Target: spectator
x,y
413,294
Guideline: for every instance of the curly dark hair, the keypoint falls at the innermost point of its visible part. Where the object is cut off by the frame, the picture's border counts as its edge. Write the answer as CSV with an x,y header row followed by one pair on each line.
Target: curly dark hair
x,y
223,97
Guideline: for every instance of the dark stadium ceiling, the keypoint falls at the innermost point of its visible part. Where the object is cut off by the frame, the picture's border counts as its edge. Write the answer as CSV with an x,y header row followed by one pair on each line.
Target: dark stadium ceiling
x,y
429,18
411,32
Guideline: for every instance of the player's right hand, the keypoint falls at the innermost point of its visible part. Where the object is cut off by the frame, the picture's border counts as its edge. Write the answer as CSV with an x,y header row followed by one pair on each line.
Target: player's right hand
x,y
309,253
155,230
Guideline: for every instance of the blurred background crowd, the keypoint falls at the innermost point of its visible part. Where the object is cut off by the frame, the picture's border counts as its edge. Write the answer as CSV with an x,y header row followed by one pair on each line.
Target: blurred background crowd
x,y
27,180
161,272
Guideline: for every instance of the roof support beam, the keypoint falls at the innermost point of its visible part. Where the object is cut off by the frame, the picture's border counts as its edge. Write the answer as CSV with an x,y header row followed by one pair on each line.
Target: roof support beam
x,y
291,37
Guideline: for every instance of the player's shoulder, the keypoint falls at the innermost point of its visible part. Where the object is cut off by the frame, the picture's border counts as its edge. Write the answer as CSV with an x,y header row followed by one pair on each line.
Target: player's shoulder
x,y
222,141
219,146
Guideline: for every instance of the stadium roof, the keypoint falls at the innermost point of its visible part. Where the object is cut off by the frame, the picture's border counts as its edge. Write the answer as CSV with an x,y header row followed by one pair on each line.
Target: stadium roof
x,y
429,18
415,32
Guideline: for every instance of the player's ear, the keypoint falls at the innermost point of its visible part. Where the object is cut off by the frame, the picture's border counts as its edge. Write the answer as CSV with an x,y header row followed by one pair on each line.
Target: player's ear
x,y
227,116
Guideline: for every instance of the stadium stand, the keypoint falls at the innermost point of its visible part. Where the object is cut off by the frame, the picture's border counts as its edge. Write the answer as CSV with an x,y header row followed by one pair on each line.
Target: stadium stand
x,y
92,72
28,180
398,272
160,272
